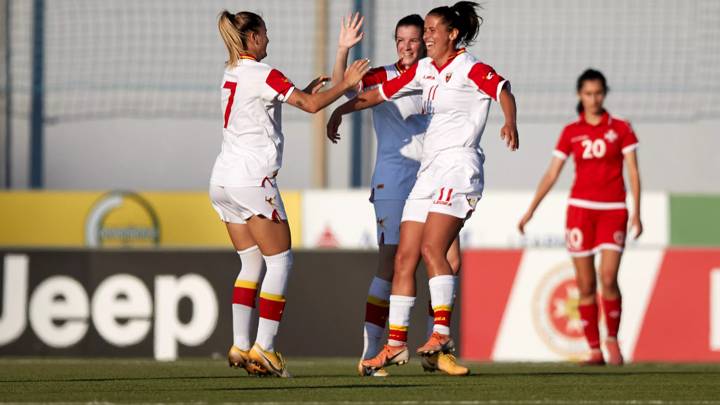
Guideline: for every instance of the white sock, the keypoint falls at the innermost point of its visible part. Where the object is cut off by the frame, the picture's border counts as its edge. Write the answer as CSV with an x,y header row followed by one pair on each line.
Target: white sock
x,y
373,333
399,319
242,313
272,297
442,289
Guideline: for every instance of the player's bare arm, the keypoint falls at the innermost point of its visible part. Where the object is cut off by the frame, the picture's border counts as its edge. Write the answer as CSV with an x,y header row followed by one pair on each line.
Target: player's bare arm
x,y
546,184
509,132
364,100
636,227
350,35
313,103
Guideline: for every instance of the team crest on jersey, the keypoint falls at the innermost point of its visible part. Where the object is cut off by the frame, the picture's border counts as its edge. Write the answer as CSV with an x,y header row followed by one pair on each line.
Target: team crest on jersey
x,y
611,136
448,76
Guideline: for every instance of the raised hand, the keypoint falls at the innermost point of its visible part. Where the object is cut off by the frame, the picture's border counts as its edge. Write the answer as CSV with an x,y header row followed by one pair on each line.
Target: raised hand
x,y
355,72
316,84
332,127
350,33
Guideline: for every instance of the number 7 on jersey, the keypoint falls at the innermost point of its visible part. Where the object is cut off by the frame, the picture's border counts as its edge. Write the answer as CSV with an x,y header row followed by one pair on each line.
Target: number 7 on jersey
x,y
230,86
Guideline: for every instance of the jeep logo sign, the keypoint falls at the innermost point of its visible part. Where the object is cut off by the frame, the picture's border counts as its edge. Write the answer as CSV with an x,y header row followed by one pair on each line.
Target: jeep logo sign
x,y
61,310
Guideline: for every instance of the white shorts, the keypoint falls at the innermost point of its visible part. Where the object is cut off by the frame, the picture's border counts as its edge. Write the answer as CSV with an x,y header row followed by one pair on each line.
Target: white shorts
x,y
388,214
237,204
458,205
451,184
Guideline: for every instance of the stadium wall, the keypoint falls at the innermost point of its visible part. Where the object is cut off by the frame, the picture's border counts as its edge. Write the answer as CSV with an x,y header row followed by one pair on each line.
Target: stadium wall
x,y
318,219
513,305
169,304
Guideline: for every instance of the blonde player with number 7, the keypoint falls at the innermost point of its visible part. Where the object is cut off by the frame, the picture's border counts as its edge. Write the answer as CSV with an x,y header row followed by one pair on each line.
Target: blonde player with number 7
x,y
243,190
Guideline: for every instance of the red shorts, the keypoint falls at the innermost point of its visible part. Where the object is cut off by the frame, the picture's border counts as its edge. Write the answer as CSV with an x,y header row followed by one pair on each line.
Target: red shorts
x,y
587,230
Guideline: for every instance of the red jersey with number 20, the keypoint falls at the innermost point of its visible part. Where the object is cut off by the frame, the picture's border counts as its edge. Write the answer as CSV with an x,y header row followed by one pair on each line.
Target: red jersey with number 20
x,y
599,151
252,147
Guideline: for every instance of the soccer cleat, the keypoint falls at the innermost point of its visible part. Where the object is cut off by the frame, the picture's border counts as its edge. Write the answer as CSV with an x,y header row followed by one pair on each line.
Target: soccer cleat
x,y
271,361
369,372
389,355
444,362
437,343
615,357
595,359
238,358
430,363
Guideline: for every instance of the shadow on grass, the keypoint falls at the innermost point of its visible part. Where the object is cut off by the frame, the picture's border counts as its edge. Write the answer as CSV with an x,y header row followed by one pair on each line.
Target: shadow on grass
x,y
541,374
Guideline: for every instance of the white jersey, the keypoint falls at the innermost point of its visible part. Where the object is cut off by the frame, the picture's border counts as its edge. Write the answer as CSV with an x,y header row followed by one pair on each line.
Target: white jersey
x,y
399,130
252,147
457,98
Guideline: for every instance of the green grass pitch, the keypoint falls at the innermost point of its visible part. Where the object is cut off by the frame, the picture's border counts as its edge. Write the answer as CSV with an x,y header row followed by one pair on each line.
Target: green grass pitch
x,y
334,380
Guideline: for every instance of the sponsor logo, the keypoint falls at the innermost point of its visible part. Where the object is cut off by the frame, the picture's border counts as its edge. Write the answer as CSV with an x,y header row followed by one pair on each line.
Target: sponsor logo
x,y
555,312
122,219
448,76
429,77
579,138
122,309
327,239
489,76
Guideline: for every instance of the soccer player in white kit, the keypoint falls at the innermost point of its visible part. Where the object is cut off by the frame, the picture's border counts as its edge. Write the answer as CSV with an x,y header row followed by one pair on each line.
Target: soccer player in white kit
x,y
399,129
456,93
243,190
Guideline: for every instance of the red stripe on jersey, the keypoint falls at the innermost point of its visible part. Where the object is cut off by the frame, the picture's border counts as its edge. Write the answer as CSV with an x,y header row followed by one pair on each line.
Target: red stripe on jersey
x,y
486,79
374,77
278,82
391,87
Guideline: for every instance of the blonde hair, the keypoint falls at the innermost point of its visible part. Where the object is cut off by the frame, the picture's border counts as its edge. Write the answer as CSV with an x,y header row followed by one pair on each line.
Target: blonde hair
x,y
235,29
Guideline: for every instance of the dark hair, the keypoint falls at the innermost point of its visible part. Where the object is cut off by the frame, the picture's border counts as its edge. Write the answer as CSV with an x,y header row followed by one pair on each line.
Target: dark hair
x,y
586,76
464,17
235,29
412,20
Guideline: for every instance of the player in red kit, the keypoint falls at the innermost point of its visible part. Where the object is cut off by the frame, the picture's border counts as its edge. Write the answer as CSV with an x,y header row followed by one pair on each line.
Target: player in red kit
x,y
597,216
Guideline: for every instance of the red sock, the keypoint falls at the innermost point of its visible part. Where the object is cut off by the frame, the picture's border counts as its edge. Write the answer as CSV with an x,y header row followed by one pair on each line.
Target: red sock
x,y
376,311
271,306
612,309
589,317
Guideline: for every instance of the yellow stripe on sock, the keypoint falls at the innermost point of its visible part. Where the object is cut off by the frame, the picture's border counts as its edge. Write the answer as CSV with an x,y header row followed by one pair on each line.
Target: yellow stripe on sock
x,y
246,284
377,301
442,308
399,327
272,297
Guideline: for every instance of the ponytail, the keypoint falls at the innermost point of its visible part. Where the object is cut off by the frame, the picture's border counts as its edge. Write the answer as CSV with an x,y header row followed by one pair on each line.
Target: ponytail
x,y
462,16
588,75
234,30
